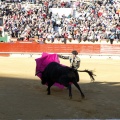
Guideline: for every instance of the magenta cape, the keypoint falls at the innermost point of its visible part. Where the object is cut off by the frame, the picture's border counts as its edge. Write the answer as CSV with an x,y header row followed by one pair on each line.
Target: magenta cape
x,y
43,61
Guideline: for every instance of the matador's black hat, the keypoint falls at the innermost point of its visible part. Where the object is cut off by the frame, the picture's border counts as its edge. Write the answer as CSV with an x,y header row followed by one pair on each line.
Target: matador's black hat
x,y
74,52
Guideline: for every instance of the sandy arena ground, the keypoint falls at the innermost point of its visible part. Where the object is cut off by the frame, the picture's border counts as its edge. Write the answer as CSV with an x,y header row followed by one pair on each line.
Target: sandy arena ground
x,y
23,97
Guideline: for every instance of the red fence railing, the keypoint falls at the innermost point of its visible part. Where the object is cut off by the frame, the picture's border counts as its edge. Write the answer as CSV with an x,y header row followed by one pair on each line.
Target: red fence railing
x,y
61,48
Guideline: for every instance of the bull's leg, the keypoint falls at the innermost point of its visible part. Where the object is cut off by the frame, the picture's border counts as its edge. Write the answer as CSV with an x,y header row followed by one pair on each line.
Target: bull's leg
x,y
48,89
70,91
77,75
76,84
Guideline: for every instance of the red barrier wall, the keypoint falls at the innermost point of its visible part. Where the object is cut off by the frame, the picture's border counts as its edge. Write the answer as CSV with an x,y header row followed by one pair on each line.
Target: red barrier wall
x,y
61,48
110,49
53,48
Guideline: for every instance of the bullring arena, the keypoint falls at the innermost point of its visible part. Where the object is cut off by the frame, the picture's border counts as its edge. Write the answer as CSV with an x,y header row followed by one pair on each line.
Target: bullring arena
x,y
31,27
23,97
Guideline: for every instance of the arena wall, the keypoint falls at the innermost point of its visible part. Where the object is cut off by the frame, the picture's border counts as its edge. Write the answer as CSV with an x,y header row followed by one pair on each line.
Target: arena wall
x,y
36,48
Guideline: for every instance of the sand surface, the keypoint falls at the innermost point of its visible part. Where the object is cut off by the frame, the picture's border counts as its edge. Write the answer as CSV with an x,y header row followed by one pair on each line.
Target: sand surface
x,y
23,97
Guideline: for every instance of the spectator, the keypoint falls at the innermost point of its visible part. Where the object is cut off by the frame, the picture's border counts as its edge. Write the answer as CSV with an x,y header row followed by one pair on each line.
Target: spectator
x,y
87,22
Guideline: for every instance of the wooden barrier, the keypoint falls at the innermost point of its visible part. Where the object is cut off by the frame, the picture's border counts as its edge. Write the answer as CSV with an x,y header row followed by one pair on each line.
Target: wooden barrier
x,y
60,48
4,54
52,48
110,49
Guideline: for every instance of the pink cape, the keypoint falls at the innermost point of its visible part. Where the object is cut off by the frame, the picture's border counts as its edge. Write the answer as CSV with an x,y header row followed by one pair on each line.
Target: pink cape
x,y
43,61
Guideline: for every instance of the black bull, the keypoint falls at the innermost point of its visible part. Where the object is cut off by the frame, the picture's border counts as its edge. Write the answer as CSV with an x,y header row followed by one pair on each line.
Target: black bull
x,y
57,73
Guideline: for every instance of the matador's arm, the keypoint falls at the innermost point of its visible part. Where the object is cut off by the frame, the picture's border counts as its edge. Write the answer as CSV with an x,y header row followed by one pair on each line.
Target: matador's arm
x,y
63,57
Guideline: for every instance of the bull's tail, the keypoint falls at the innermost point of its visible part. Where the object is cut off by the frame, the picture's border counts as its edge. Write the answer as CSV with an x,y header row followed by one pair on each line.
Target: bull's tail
x,y
90,72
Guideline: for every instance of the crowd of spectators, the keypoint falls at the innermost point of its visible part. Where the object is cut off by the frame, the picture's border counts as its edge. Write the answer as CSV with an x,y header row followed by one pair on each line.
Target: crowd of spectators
x,y
89,21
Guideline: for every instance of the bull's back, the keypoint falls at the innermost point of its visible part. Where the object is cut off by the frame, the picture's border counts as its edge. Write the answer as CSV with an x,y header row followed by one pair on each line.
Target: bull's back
x,y
54,71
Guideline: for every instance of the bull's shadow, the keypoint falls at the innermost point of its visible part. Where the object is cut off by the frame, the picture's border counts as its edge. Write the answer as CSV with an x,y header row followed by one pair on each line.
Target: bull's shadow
x,y
22,98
